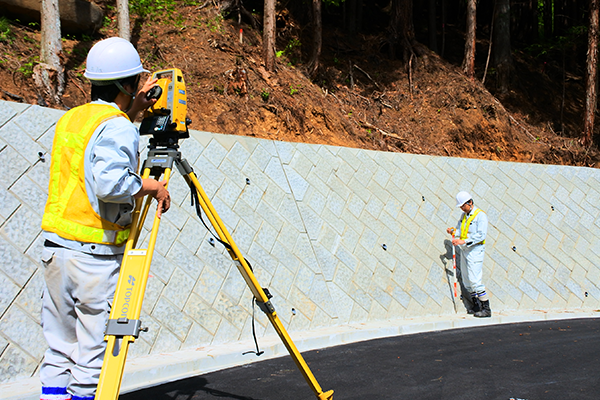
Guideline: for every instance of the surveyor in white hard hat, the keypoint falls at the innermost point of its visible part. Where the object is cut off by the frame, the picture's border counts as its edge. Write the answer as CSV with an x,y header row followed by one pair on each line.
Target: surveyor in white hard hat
x,y
92,186
470,234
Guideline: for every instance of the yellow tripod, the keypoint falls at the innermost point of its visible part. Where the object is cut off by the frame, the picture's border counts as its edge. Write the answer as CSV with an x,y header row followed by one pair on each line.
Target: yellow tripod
x,y
124,324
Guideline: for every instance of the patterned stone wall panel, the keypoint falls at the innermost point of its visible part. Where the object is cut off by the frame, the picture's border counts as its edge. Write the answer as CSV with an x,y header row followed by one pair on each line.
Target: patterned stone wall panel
x,y
339,235
15,364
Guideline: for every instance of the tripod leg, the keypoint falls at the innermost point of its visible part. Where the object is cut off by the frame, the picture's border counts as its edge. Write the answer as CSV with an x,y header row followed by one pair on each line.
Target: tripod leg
x,y
124,325
143,215
259,294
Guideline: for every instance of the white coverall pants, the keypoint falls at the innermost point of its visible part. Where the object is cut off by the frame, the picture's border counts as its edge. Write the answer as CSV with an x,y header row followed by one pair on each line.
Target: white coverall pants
x,y
471,267
77,299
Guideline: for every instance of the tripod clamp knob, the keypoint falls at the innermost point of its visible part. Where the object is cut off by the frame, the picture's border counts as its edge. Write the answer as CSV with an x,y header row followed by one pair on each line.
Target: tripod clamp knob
x,y
266,307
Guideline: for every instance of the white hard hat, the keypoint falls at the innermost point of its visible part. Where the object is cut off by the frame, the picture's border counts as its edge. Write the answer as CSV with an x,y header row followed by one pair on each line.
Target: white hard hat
x,y
462,198
111,59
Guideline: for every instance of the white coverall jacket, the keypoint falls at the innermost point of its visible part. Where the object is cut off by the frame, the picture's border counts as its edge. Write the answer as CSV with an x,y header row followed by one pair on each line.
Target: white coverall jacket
x,y
473,251
81,277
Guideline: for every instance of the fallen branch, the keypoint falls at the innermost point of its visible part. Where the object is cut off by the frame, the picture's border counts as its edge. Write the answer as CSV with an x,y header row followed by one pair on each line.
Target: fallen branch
x,y
358,95
70,74
410,83
14,96
487,63
367,75
378,98
335,97
384,133
515,121
522,127
364,98
205,4
177,30
15,72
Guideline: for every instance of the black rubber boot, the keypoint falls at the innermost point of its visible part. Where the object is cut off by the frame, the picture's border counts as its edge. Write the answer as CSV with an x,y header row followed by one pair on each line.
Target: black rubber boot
x,y
485,310
475,305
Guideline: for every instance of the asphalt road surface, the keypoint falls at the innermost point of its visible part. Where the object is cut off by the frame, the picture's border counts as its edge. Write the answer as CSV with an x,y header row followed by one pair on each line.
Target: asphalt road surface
x,y
527,361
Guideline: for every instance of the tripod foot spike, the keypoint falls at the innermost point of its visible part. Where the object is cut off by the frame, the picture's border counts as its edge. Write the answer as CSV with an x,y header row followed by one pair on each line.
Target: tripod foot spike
x,y
326,396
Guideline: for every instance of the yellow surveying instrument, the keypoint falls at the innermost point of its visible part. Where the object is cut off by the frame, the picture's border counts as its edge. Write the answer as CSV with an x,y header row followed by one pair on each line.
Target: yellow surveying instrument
x,y
167,123
167,117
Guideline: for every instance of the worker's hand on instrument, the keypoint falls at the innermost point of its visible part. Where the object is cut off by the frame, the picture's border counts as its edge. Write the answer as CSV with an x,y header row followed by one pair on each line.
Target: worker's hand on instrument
x,y
457,242
164,199
157,190
450,230
140,103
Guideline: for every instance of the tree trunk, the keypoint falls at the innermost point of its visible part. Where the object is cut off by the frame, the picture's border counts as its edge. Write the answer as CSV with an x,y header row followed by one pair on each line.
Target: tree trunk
x,y
548,19
432,27
123,19
524,23
443,27
535,34
313,64
49,73
468,65
353,16
592,76
402,30
350,6
501,49
269,35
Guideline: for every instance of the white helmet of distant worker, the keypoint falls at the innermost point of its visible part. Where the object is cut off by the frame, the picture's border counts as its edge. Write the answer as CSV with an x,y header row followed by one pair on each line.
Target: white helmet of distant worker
x,y
112,59
462,198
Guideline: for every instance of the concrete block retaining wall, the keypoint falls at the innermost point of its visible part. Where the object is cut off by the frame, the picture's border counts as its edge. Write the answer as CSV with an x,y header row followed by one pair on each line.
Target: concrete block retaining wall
x,y
313,221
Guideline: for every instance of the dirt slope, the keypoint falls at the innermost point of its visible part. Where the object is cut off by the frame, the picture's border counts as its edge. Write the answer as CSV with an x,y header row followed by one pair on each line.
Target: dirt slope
x,y
360,99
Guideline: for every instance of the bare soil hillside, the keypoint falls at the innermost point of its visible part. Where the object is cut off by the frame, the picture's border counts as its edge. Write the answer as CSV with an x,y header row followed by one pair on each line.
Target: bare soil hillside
x,y
360,98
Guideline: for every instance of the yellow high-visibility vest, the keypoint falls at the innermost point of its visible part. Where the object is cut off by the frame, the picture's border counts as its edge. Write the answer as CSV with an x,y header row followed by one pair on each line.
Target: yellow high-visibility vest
x,y
68,211
464,226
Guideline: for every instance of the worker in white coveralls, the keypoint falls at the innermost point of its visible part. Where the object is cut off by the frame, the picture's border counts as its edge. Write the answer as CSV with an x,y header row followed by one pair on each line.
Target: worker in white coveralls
x,y
92,186
469,237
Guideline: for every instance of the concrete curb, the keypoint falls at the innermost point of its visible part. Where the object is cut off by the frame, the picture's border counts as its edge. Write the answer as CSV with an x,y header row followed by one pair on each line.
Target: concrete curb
x,y
153,370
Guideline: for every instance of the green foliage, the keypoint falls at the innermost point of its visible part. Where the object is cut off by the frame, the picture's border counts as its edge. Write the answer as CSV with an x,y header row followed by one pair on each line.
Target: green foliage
x,y
335,3
151,8
6,34
264,94
213,24
219,88
106,21
289,50
575,35
26,68
69,37
294,90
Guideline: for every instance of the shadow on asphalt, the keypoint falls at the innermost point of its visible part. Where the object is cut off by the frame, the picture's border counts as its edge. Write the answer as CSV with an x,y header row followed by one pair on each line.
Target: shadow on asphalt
x,y
529,361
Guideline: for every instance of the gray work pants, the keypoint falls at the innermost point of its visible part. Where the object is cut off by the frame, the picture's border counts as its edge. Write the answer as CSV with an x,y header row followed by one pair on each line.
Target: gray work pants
x,y
77,299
